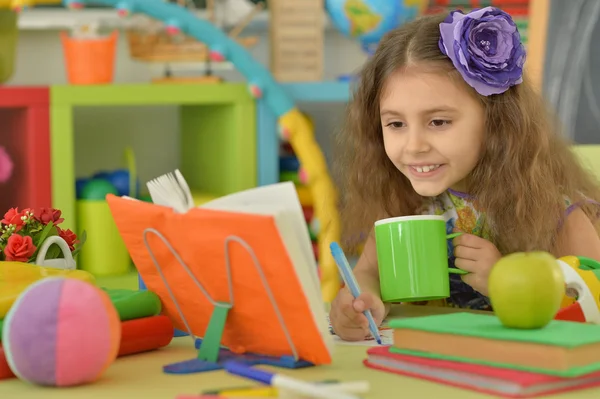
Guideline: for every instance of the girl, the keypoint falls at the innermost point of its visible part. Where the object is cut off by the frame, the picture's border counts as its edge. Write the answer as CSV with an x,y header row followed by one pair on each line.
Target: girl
x,y
444,123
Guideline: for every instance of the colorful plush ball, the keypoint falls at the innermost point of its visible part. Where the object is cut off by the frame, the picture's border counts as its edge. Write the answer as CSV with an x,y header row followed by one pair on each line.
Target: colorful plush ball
x,y
61,332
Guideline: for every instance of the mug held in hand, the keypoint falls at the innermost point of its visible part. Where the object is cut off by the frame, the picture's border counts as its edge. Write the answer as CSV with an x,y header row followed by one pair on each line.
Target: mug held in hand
x,y
413,258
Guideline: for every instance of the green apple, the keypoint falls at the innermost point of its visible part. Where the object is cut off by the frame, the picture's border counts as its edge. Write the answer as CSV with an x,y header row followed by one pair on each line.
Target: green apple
x,y
526,289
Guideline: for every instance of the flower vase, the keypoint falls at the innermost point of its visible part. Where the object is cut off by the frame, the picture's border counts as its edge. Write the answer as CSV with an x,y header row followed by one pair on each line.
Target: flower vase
x,y
65,263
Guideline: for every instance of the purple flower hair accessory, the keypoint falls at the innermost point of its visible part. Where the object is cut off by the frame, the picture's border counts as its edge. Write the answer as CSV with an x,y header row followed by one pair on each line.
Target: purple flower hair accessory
x,y
485,47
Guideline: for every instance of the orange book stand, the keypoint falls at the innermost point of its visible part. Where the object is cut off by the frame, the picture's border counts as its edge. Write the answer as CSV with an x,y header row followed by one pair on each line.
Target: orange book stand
x,y
235,282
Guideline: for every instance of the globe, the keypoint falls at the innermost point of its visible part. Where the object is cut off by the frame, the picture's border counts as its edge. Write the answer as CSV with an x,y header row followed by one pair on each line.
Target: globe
x,y
368,20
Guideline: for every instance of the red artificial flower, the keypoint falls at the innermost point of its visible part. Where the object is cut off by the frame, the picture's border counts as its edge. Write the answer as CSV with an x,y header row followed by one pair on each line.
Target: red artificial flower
x,y
47,215
69,237
19,248
14,217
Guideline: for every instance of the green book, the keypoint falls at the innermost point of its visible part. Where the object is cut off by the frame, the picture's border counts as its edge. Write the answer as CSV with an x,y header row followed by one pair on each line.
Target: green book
x,y
561,334
557,333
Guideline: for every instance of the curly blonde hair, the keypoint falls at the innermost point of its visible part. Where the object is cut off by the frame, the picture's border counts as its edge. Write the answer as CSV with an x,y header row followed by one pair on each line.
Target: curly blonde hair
x,y
521,182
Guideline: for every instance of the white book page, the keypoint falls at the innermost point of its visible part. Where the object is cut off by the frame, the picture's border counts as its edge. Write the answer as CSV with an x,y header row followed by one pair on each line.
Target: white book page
x,y
278,196
307,274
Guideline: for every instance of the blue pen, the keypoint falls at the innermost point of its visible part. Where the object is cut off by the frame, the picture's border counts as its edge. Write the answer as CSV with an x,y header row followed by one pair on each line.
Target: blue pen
x,y
352,284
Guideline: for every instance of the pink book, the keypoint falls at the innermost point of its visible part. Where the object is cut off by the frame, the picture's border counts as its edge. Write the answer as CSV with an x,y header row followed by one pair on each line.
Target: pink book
x,y
486,379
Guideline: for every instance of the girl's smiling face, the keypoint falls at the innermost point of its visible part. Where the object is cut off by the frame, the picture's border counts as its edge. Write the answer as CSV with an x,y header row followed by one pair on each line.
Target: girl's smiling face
x,y
432,129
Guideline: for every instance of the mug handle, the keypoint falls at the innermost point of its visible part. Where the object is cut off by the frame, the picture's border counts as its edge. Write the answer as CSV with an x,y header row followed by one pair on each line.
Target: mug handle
x,y
451,270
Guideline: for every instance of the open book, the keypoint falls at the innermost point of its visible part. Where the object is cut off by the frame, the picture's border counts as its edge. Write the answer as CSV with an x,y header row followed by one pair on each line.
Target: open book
x,y
270,221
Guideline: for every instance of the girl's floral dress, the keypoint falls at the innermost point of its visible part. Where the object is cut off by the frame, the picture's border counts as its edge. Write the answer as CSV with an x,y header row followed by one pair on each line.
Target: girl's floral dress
x,y
460,212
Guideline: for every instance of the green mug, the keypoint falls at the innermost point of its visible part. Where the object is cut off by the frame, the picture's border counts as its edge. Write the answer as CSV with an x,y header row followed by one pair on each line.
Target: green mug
x,y
413,258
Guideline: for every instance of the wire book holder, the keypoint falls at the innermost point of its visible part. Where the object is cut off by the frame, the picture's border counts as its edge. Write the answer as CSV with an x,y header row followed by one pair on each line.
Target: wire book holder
x,y
211,356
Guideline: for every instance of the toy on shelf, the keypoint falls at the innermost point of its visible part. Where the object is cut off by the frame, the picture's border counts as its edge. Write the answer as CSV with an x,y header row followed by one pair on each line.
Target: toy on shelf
x,y
119,182
368,20
582,301
6,165
156,42
90,54
541,288
296,38
104,182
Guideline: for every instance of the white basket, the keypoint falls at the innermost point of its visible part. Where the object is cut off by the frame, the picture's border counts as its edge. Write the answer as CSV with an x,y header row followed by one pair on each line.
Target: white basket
x,y
66,263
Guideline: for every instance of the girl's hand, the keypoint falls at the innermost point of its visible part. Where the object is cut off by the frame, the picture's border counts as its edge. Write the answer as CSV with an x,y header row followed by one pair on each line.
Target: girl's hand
x,y
477,256
347,318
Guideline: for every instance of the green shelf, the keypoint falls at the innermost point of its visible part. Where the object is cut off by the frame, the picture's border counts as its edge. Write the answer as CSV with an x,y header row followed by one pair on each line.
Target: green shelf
x,y
218,133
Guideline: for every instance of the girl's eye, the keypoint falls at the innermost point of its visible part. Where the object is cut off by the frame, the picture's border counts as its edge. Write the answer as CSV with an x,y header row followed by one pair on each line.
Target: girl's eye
x,y
440,122
395,125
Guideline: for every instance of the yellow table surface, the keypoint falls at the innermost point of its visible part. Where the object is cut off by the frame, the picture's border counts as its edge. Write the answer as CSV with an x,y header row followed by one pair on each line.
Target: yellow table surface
x,y
141,376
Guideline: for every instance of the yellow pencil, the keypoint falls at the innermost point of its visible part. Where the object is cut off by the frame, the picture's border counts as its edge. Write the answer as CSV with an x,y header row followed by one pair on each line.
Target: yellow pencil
x,y
260,392
254,392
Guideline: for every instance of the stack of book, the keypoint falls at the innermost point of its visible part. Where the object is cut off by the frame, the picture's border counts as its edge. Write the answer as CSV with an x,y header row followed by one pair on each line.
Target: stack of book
x,y
476,352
